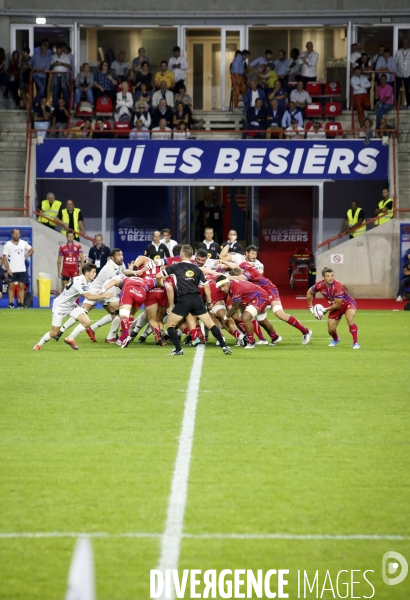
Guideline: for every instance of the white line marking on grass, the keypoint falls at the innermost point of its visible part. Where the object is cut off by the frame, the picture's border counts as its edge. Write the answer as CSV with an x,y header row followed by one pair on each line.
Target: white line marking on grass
x,y
171,539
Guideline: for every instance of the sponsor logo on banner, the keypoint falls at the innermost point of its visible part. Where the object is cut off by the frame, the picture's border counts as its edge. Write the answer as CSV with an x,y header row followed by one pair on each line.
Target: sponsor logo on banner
x,y
135,230
282,230
336,259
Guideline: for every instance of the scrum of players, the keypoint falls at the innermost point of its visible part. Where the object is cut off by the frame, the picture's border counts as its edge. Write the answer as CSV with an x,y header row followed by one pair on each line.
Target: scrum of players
x,y
235,298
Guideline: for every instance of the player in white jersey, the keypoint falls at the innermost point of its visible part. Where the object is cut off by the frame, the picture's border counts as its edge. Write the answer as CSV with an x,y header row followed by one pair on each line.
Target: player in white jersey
x,y
65,303
251,253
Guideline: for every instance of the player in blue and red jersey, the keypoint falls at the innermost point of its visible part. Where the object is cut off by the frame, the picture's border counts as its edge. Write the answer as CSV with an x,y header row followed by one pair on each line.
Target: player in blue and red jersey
x,y
68,257
341,303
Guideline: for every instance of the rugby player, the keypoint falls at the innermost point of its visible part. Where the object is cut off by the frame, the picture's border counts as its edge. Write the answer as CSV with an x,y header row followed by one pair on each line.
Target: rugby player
x,y
68,257
65,304
251,254
341,303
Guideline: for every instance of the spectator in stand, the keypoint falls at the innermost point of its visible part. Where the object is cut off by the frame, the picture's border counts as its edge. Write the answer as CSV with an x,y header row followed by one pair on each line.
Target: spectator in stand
x,y
300,97
50,207
84,83
44,42
15,254
101,131
124,104
316,132
403,71
162,132
40,63
384,208
295,131
85,130
25,69
60,119
143,93
251,96
367,131
67,54
388,65
143,77
261,60
215,219
120,68
405,276
181,132
99,253
270,77
71,218
237,69
294,65
255,120
14,78
282,68
234,246
364,63
384,96
308,61
180,115
385,128
137,62
355,54
156,249
140,131
274,116
60,82
141,113
183,97
163,92
167,241
258,75
376,58
354,217
162,112
164,75
178,65
209,245
360,84
105,83
279,94
292,113
41,115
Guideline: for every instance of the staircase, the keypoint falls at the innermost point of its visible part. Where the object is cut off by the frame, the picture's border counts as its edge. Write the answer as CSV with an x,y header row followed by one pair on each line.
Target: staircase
x,y
12,160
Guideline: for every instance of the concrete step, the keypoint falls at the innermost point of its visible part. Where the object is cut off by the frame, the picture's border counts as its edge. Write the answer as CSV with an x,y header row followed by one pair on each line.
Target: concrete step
x,y
11,197
15,144
13,178
12,158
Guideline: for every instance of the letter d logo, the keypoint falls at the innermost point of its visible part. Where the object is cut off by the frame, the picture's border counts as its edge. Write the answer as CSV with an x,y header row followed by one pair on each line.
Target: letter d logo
x,y
392,568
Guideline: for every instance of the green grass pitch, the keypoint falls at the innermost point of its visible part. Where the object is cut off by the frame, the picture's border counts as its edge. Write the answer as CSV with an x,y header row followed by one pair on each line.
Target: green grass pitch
x,y
291,440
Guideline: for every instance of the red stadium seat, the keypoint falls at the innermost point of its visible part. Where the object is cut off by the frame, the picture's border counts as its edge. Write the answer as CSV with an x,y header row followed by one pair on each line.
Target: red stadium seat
x,y
107,124
83,113
314,110
122,129
333,129
333,109
333,89
79,123
104,107
314,88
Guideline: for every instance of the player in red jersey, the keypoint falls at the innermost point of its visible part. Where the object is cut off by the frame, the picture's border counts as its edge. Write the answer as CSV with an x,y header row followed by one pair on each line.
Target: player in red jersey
x,y
149,265
253,302
155,305
341,303
68,257
219,309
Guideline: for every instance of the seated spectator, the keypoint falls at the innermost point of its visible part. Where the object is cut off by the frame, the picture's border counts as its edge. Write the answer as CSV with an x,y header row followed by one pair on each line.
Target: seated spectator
x,y
162,112
183,97
294,65
144,76
388,65
84,83
60,82
41,115
316,132
291,113
300,97
164,75
295,131
163,92
181,115
85,130
279,94
252,93
178,65
140,132
367,131
120,68
360,84
14,78
143,93
101,131
105,84
274,116
137,63
385,128
282,68
141,113
40,63
25,69
59,119
124,104
255,119
162,132
181,132
384,96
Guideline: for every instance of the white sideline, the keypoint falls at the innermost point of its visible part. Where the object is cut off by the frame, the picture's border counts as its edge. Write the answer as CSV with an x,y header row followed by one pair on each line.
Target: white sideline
x,y
171,539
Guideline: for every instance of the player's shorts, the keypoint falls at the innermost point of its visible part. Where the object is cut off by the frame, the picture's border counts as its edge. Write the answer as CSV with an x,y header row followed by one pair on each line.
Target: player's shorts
x,y
59,315
273,294
189,304
217,307
134,296
157,296
67,274
19,277
257,309
338,314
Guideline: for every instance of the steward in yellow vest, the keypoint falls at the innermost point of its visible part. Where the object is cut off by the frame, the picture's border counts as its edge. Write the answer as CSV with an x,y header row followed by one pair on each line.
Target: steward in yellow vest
x,y
354,216
73,218
384,208
49,208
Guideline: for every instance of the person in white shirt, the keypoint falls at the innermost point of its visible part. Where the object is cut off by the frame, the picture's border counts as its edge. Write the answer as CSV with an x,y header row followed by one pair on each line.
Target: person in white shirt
x,y
120,68
316,133
60,65
251,253
124,104
162,132
178,65
163,92
65,304
166,240
356,52
360,84
15,254
403,70
300,97
308,61
295,131
388,65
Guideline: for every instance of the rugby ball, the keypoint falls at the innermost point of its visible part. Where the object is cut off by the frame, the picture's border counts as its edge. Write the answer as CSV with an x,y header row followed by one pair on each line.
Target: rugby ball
x,y
319,311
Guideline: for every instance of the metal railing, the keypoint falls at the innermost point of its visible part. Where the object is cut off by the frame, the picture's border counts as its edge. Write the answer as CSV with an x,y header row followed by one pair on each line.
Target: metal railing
x,y
60,224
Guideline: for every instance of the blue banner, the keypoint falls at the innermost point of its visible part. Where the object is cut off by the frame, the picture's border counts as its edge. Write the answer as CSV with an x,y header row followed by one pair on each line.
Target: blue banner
x,y
217,159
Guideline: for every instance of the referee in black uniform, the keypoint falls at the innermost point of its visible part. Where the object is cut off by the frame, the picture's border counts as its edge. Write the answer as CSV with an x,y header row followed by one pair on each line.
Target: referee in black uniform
x,y
188,278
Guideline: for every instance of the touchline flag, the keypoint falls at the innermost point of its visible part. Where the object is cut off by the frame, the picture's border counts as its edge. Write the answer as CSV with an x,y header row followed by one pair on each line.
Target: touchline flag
x,y
81,585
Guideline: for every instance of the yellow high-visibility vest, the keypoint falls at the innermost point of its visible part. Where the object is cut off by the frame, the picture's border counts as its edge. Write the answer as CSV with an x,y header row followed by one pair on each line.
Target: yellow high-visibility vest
x,y
353,220
384,219
66,219
51,210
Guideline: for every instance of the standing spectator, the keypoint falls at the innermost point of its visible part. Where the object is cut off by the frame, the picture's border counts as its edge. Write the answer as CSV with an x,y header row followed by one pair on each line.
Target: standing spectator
x,y
355,54
40,63
405,279
120,68
215,217
308,61
67,260
138,62
364,63
262,60
167,241
234,246
403,70
270,77
50,207
14,78
163,112
41,115
294,131
72,218
384,209
68,55
292,113
104,83
252,94
143,77
354,218
278,94
384,95
360,84
25,69
388,65
164,75
15,254
156,249
60,83
178,65
258,75
282,68
124,105
376,58
44,42
274,116
99,253
141,113
212,248
300,97
255,121
162,132
294,65
144,94
60,119
237,76
163,92
84,83
140,131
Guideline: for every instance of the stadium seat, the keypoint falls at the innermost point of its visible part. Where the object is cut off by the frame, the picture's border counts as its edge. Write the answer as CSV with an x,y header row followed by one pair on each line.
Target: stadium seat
x,y
83,113
313,110
122,129
79,123
333,89
104,107
314,88
333,129
333,109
